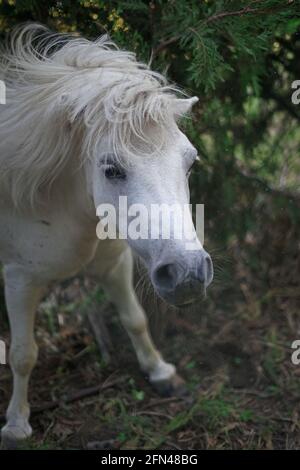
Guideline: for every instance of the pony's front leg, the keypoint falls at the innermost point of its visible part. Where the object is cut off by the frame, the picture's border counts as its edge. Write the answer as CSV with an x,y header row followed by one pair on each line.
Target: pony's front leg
x,y
22,297
119,286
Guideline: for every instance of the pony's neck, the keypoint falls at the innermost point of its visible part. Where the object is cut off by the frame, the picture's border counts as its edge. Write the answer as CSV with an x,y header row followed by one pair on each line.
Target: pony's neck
x,y
71,190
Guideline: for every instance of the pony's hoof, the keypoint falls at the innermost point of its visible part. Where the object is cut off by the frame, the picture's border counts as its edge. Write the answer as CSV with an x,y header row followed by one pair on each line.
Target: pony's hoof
x,y
14,436
175,386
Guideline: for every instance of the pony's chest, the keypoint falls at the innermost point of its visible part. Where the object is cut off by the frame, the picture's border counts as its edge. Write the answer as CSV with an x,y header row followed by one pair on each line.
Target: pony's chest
x,y
71,245
74,241
53,246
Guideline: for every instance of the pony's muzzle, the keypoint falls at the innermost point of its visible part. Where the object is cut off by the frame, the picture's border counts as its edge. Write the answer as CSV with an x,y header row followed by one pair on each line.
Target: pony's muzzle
x,y
182,283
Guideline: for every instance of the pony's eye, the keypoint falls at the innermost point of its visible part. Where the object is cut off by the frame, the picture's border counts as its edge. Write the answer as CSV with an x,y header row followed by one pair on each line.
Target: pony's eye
x,y
112,172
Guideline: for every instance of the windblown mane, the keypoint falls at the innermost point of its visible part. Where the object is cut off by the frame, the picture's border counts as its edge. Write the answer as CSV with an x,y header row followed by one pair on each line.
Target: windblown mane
x,y
60,87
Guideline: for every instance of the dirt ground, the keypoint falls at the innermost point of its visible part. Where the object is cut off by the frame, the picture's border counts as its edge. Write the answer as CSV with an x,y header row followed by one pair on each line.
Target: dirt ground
x,y
234,351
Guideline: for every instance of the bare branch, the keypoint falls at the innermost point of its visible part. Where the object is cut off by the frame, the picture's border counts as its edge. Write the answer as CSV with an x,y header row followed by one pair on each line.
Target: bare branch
x,y
244,11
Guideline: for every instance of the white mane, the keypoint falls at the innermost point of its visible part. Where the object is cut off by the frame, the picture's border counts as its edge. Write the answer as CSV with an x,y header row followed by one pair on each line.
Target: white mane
x,y
63,95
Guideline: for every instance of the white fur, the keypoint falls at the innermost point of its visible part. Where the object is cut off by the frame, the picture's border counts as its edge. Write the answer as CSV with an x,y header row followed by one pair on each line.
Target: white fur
x,y
69,103
55,86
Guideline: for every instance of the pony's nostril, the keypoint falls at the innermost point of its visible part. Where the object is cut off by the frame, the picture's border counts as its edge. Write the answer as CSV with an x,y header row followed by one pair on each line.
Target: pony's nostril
x,y
201,273
165,276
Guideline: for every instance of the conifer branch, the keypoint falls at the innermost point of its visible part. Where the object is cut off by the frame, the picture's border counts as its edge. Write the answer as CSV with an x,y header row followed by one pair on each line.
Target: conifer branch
x,y
219,16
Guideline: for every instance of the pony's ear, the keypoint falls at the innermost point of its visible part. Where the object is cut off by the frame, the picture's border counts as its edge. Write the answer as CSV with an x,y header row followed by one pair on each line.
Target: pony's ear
x,y
183,106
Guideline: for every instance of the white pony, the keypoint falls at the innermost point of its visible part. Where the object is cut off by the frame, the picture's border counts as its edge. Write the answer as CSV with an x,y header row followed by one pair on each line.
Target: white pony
x,y
84,124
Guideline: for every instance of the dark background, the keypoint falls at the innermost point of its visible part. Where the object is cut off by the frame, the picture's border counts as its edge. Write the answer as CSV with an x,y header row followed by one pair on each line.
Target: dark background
x,y
240,58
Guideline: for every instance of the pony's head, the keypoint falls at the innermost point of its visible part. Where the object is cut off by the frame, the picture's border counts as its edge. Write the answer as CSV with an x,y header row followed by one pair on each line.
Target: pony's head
x,y
139,178
71,99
